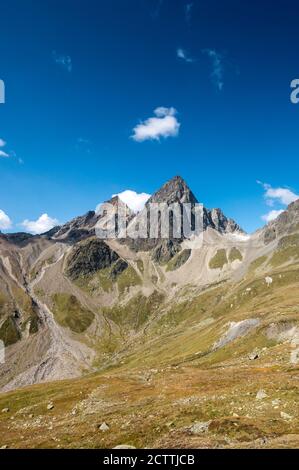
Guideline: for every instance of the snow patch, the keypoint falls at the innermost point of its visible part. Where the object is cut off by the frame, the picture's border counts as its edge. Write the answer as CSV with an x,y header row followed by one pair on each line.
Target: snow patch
x,y
242,237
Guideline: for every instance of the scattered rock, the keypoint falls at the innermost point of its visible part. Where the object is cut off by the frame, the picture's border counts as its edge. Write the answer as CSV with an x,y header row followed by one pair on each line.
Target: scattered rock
x,y
5,410
286,416
4,447
31,416
169,424
200,427
124,446
261,394
50,406
253,356
104,427
276,402
263,440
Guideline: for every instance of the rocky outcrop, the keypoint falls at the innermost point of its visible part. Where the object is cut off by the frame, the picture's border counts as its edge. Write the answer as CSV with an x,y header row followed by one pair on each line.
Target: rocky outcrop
x,y
286,223
221,223
78,229
117,268
88,257
166,250
19,239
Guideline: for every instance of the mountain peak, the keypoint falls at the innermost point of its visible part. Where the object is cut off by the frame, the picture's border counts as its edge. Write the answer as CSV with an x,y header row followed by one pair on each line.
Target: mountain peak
x,y
174,190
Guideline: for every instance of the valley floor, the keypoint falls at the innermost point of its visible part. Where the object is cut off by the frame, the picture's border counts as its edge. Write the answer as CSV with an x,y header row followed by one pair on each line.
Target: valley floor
x,y
232,405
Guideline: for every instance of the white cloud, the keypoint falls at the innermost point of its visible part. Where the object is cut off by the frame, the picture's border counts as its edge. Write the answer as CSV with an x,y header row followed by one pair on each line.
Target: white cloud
x,y
41,225
64,61
217,67
182,54
272,215
2,143
164,124
5,222
272,196
282,195
135,201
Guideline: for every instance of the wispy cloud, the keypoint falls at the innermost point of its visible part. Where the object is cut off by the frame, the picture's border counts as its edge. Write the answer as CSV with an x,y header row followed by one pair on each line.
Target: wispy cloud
x,y
272,196
182,54
188,12
163,124
63,61
43,224
3,154
5,222
8,154
217,62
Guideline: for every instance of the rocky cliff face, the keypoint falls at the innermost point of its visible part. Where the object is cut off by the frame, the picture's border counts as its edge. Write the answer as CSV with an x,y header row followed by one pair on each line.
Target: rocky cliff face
x,y
287,222
221,223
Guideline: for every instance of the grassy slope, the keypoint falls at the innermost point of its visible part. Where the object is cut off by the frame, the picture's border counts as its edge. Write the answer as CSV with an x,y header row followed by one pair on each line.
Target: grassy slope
x,y
171,377
160,388
68,312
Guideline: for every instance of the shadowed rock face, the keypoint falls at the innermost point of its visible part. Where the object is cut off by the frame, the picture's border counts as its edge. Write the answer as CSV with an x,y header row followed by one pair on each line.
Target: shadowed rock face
x,y
166,250
18,239
118,267
88,257
286,223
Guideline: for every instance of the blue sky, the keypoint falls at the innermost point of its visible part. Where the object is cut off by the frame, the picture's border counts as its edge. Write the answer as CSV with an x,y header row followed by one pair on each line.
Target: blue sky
x,y
81,76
